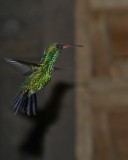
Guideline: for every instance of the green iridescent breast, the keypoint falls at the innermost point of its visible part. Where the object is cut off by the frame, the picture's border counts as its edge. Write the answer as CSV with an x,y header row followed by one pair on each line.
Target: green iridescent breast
x,y
36,82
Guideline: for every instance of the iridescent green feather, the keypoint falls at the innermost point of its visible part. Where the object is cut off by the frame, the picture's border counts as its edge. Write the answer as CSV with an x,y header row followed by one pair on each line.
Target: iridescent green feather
x,y
42,73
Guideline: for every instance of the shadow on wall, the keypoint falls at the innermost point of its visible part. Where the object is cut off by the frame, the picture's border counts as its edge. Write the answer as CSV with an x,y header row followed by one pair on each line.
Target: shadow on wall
x,y
32,144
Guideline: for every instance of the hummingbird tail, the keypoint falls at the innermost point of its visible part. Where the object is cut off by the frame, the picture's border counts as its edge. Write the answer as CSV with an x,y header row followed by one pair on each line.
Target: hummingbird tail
x,y
26,104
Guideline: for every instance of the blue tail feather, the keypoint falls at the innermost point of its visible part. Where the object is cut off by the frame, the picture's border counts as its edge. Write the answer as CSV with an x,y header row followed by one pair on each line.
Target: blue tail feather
x,y
25,104
29,105
34,104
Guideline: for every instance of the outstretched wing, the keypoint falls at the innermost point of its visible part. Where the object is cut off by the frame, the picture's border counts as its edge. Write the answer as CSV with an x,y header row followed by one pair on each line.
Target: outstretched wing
x,y
23,67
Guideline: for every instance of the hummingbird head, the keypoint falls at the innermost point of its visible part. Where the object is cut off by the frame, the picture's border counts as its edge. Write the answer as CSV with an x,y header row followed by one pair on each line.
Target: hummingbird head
x,y
53,50
59,46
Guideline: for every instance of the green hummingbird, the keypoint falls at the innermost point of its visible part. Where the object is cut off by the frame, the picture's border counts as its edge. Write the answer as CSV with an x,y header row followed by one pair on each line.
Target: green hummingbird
x,y
37,77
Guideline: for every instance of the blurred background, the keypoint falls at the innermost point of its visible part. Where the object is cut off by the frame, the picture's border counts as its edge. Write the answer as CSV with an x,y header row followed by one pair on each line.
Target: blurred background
x,y
83,112
26,28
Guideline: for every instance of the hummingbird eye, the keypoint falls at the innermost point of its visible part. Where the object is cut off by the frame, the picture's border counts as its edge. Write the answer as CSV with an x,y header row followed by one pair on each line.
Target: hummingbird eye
x,y
59,46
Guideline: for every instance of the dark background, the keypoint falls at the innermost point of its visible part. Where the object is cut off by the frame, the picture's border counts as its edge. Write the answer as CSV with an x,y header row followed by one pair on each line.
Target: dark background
x,y
26,28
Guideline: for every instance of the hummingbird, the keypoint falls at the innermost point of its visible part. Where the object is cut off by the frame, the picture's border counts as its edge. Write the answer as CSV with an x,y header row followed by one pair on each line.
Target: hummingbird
x,y
37,76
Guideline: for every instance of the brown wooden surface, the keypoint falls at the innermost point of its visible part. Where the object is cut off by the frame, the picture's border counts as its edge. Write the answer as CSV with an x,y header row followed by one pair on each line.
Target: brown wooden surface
x,y
102,81
109,4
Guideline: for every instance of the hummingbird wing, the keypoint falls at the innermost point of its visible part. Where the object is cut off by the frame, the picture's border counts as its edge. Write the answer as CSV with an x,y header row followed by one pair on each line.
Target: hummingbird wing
x,y
23,67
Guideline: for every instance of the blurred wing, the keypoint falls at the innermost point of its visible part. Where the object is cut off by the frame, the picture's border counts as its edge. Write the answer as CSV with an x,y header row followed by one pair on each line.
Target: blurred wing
x,y
23,67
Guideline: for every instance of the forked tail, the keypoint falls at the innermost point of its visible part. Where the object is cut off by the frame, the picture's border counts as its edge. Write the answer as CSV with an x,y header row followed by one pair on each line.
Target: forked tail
x,y
26,104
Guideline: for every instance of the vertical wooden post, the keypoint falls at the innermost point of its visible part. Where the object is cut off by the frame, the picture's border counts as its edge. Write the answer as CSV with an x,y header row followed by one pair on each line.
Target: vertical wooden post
x,y
83,62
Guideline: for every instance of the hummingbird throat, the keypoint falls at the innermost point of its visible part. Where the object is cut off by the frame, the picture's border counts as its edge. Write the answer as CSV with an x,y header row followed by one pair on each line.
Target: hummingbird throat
x,y
49,59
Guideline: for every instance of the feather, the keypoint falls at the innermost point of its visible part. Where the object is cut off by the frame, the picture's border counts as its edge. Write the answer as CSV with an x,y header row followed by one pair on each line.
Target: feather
x,y
17,104
34,104
29,106
24,67
26,104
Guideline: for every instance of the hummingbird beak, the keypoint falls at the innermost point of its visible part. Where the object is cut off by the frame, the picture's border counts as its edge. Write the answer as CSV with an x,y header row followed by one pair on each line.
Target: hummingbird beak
x,y
69,46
